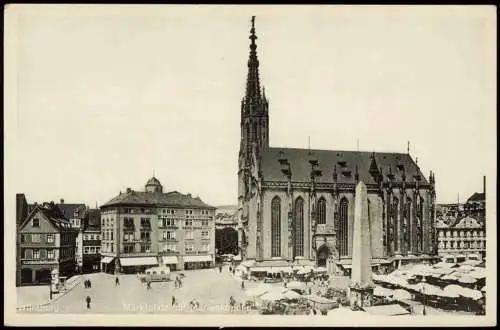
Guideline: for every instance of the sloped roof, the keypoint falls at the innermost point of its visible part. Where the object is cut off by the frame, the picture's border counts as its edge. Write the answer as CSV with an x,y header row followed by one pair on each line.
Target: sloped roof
x,y
173,198
52,213
93,219
468,222
327,159
68,210
477,197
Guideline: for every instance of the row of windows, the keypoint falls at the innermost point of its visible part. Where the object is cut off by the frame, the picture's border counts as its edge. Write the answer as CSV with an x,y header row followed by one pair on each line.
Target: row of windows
x,y
461,233
91,237
91,250
143,248
108,222
163,222
107,247
461,245
39,254
108,234
37,238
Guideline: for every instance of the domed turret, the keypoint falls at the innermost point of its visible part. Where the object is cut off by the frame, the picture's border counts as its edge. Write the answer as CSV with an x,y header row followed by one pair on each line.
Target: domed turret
x,y
154,185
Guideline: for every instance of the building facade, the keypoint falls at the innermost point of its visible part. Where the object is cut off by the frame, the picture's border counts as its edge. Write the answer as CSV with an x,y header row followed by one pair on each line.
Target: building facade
x,y
47,242
463,239
475,206
140,229
21,214
298,204
76,214
91,241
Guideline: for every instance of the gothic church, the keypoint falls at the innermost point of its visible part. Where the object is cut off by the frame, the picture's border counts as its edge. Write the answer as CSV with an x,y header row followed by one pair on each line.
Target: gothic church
x,y
297,205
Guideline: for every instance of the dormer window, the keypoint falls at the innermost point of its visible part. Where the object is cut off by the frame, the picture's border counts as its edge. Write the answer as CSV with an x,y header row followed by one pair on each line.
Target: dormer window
x,y
342,163
35,223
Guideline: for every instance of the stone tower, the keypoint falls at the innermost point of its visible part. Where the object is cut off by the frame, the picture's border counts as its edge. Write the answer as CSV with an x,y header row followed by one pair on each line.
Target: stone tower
x,y
254,127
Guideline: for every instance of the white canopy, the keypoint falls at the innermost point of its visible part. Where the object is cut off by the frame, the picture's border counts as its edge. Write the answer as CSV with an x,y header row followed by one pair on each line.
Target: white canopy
x,y
291,295
401,294
470,293
197,258
382,292
272,296
321,270
296,285
467,279
106,260
139,261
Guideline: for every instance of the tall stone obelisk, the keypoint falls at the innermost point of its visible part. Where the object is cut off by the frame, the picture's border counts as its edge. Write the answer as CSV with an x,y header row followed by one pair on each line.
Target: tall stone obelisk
x,y
361,288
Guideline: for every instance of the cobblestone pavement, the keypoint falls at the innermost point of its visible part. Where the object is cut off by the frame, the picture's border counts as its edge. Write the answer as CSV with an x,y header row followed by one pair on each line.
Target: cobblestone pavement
x,y
211,288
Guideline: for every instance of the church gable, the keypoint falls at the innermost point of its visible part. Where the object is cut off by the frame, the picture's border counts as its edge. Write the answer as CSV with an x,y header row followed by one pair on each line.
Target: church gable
x,y
346,164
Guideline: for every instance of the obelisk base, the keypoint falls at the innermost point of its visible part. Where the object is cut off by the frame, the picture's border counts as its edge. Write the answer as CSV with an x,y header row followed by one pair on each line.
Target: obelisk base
x,y
360,296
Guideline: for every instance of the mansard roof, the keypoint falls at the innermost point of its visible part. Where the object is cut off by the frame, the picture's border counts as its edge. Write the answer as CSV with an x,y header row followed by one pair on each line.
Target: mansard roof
x,y
345,163
173,198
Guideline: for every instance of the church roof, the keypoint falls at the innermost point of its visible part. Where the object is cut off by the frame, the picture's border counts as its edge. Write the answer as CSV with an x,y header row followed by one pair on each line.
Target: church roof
x,y
173,198
345,163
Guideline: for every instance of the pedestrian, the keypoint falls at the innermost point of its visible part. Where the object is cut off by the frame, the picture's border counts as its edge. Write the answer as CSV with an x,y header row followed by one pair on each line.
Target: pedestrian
x,y
88,301
149,285
85,284
310,290
173,301
117,282
230,269
175,283
90,284
220,269
242,284
234,271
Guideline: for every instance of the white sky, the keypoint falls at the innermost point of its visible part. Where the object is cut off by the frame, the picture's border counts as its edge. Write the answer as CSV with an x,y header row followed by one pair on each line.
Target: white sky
x,y
102,95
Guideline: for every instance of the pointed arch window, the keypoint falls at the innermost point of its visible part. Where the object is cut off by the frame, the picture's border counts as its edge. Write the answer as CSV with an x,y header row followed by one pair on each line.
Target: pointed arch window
x,y
395,222
343,230
407,230
299,227
321,211
276,227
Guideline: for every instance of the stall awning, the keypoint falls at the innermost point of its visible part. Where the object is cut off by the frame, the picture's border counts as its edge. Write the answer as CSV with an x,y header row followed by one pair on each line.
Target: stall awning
x,y
347,266
197,258
141,261
169,260
106,260
386,310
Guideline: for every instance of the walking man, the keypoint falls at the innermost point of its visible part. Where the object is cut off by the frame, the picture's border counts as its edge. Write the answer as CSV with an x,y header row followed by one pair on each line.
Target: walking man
x,y
117,282
88,301
243,284
173,301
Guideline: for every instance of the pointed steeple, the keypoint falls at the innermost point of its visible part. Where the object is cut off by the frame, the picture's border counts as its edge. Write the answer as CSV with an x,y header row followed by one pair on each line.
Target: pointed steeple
x,y
374,171
252,96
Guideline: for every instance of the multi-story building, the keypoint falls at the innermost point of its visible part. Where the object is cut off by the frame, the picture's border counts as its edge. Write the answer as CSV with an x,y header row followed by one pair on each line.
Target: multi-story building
x,y
144,228
91,241
476,204
298,204
76,214
462,239
47,242
21,214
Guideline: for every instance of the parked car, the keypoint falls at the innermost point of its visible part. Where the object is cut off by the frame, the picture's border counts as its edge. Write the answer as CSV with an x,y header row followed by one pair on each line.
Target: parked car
x,y
156,274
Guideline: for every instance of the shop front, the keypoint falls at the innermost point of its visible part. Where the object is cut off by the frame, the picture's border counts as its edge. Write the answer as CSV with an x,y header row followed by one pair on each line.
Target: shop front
x,y
137,264
170,261
197,262
107,265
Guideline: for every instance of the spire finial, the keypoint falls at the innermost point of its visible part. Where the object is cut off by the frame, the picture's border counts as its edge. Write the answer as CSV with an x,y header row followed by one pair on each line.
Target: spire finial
x,y
408,148
153,172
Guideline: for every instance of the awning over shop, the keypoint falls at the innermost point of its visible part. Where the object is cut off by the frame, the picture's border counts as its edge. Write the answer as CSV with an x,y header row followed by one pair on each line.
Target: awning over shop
x,y
169,260
197,258
141,261
347,266
106,260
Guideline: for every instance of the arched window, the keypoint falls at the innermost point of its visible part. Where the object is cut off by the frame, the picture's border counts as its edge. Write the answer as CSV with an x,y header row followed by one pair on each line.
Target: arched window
x,y
254,132
408,232
276,227
321,211
343,229
247,132
395,216
299,227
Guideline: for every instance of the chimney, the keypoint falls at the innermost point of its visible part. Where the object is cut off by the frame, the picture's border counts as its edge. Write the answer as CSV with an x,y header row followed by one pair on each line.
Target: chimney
x,y
484,186
61,200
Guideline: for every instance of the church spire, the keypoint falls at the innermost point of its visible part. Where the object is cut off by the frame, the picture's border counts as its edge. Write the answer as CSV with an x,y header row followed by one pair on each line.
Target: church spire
x,y
252,96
